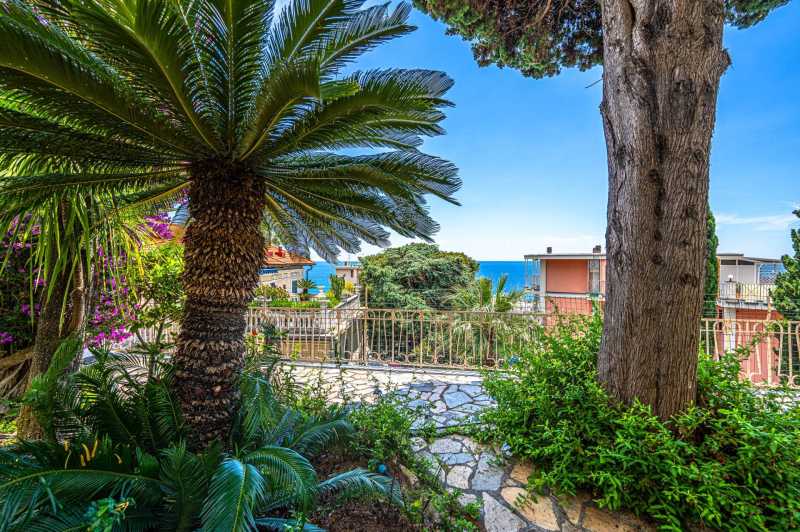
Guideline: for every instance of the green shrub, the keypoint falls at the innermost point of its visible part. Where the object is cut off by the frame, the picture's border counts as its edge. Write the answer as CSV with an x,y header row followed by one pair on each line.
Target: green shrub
x,y
383,432
383,435
265,291
337,286
731,462
116,457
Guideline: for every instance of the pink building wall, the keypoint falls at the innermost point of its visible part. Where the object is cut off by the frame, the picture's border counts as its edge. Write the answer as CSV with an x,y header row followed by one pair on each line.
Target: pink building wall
x,y
567,276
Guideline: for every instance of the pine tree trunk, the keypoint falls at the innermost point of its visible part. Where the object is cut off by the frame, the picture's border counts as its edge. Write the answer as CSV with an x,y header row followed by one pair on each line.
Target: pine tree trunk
x,y
662,64
223,250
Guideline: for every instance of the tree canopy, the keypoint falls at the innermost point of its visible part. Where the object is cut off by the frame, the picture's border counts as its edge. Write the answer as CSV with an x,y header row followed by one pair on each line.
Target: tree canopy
x,y
416,276
113,95
540,37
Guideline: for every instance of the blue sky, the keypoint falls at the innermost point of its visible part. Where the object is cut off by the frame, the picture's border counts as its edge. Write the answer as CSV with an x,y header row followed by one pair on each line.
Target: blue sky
x,y
531,152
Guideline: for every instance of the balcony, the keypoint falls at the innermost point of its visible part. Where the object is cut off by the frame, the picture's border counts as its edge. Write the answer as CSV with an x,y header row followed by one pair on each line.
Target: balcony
x,y
745,292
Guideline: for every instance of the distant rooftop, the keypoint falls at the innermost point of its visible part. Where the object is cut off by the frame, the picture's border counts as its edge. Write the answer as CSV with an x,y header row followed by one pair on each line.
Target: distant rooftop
x,y
277,257
549,255
734,256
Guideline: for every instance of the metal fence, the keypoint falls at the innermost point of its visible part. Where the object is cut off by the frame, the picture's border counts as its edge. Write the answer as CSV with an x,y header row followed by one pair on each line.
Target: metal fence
x,y
469,340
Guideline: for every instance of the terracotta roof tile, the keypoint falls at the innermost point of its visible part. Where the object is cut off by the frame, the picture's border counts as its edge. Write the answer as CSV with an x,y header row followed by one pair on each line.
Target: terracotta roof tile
x,y
277,256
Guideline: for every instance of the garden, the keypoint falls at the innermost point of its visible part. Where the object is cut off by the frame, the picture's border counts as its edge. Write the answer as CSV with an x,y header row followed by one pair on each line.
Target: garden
x,y
135,394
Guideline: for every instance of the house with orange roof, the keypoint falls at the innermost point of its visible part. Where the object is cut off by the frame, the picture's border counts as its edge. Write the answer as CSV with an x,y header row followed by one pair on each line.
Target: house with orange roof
x,y
282,268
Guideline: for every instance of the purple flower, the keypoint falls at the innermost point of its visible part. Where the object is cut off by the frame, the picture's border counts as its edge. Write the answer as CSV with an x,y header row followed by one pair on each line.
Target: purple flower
x,y
5,338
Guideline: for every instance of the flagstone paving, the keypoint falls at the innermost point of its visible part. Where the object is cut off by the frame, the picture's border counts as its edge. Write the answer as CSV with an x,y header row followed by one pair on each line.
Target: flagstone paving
x,y
450,399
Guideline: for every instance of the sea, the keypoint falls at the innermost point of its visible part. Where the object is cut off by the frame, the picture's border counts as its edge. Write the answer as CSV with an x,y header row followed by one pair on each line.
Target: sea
x,y
492,269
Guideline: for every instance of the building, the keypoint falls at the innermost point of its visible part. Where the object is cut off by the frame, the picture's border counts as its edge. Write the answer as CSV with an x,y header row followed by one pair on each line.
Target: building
x,y
745,286
566,282
349,271
282,269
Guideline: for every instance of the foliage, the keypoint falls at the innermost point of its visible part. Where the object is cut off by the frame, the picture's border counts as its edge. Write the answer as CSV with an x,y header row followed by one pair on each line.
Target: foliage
x,y
786,294
337,286
731,462
19,294
480,295
115,451
541,37
266,292
9,410
415,276
148,295
384,435
108,99
306,286
712,268
383,432
158,288
333,301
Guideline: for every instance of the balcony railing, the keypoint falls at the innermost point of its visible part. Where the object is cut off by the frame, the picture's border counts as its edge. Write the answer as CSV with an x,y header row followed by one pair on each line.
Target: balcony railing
x,y
745,292
474,340
594,286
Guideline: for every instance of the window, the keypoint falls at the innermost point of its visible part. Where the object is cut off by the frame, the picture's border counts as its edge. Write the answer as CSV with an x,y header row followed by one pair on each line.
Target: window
x,y
594,276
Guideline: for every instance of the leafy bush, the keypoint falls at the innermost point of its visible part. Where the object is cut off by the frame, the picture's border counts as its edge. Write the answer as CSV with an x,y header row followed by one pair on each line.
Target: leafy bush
x,y
337,285
267,292
115,453
384,436
333,301
730,462
384,432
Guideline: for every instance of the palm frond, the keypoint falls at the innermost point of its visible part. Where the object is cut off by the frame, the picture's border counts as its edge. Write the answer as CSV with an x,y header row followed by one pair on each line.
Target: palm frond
x,y
313,436
43,52
362,32
233,494
145,42
285,472
184,483
278,524
361,483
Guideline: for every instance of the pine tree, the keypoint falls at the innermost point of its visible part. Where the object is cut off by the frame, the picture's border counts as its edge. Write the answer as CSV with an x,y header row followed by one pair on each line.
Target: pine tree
x,y
786,295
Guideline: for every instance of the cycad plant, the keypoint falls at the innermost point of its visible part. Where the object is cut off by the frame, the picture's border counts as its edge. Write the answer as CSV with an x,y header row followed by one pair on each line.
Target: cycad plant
x,y
248,105
115,440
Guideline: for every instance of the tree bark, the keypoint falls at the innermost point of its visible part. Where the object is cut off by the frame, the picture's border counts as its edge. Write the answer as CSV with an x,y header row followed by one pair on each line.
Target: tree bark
x,y
662,64
223,250
51,329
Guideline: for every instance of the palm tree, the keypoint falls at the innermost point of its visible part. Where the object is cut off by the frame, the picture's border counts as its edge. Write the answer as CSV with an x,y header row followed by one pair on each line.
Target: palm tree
x,y
481,328
247,106
481,295
305,285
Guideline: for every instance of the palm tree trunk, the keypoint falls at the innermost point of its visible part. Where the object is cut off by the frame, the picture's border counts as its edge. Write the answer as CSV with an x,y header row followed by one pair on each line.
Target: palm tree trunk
x,y
223,250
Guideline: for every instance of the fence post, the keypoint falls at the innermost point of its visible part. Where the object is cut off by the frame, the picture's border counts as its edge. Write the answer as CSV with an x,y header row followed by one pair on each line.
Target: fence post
x,y
363,357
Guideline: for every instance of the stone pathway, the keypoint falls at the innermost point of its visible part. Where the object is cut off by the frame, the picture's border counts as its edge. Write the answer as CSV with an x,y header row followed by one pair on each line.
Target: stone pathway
x,y
451,398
